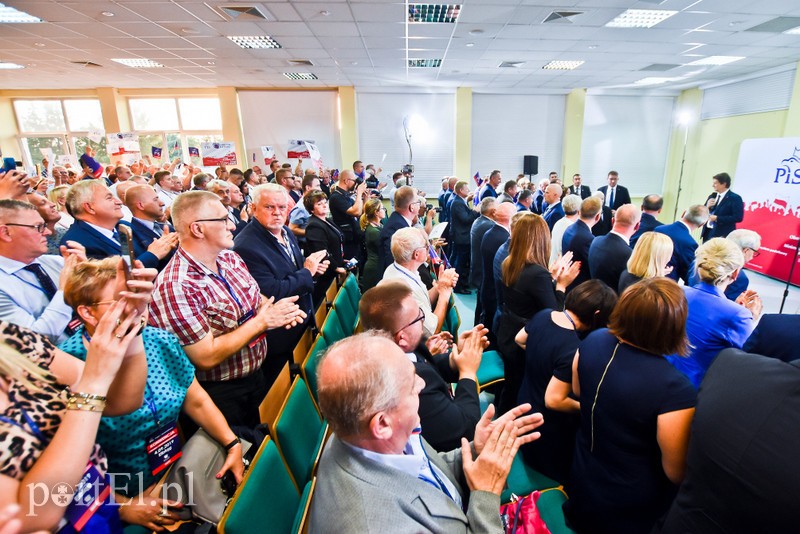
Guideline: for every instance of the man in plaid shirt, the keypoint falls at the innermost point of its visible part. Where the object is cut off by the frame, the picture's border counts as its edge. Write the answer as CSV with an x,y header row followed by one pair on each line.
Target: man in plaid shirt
x,y
206,297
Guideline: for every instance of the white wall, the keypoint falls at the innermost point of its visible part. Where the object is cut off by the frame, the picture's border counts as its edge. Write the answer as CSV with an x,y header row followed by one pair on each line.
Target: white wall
x,y
274,117
507,127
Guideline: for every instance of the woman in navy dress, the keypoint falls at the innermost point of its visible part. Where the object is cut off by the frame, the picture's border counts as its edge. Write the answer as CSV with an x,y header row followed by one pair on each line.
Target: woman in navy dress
x,y
636,410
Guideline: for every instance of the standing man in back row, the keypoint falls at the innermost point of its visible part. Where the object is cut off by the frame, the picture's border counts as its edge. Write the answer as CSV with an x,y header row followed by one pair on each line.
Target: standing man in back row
x,y
346,203
725,208
615,195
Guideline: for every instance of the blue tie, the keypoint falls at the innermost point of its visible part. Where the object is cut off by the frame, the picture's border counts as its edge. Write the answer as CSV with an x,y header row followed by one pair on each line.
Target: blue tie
x,y
611,200
115,236
46,283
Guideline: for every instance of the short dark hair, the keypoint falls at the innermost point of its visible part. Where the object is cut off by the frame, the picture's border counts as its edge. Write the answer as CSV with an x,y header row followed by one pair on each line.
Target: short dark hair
x,y
308,179
311,198
235,171
160,175
651,315
652,202
525,194
613,173
509,185
356,162
201,179
396,176
724,178
592,301
494,173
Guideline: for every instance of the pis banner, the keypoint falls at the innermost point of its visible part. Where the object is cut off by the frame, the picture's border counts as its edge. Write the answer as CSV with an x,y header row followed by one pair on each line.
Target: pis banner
x,y
768,179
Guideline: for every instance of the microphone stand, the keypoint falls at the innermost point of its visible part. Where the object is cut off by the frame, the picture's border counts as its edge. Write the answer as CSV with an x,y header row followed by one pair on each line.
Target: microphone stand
x,y
789,279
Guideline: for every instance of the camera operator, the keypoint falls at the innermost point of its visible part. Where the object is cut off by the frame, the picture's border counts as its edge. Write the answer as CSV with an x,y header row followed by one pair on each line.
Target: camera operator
x,y
346,204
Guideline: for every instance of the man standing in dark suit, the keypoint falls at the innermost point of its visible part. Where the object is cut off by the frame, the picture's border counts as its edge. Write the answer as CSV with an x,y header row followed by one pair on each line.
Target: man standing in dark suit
x,y
576,188
725,208
97,214
462,215
490,189
554,210
603,226
272,255
539,204
651,207
406,207
150,232
578,237
683,244
496,236
615,195
608,255
481,225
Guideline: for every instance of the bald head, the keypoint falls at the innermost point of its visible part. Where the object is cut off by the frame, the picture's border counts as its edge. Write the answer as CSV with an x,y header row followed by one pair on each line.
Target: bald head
x,y
626,219
552,193
503,213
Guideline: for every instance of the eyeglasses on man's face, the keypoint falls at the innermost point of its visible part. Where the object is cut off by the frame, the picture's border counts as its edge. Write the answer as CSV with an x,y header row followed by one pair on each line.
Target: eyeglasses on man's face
x,y
41,227
420,318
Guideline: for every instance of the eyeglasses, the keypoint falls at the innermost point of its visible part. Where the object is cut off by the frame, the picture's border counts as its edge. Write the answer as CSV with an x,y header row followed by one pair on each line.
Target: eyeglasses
x,y
41,227
103,302
220,219
420,318
755,252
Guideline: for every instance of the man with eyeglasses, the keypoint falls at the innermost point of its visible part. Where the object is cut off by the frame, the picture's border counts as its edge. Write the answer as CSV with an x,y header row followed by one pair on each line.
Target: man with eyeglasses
x,y
32,281
406,208
274,259
207,298
445,418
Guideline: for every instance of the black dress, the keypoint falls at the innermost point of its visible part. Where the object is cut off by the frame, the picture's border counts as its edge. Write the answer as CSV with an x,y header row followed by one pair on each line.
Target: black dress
x,y
322,235
549,353
617,483
371,274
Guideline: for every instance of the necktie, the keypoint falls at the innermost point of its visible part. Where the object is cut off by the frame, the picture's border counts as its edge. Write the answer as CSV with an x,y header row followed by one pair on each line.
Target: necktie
x,y
158,230
611,198
45,281
116,237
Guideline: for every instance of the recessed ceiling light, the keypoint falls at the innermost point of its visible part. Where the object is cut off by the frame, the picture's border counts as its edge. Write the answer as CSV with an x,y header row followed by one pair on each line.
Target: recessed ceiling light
x,y
793,31
476,32
469,45
6,66
38,44
592,47
563,65
716,60
424,63
189,31
139,63
210,63
354,63
14,16
300,75
254,41
441,13
107,14
640,18
325,13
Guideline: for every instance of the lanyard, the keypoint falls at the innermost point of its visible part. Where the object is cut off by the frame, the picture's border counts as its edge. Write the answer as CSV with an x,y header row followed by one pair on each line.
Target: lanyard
x,y
227,285
28,419
409,277
570,320
286,245
149,399
35,286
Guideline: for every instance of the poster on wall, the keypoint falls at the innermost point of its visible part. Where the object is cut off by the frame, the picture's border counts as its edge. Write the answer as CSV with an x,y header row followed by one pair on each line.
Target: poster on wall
x,y
298,149
215,154
268,153
123,147
314,155
768,179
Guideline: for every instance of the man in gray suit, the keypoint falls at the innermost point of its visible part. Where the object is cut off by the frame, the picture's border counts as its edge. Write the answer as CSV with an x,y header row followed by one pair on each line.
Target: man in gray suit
x,y
377,473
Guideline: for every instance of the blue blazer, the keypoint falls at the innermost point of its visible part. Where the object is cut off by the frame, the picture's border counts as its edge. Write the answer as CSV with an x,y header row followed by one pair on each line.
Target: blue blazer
x,y
143,237
99,246
729,212
490,244
648,224
480,226
776,336
461,218
277,276
394,223
578,238
608,258
683,248
552,217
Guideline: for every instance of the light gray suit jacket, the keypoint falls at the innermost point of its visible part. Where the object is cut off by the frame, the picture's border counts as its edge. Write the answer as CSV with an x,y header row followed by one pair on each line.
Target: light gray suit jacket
x,y
356,494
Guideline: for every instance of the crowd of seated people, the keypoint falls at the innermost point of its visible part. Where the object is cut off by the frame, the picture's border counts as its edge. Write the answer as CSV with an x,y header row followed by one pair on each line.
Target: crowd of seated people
x,y
603,352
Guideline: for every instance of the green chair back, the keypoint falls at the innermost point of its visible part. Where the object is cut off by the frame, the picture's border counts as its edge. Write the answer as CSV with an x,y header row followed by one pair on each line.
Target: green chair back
x,y
267,498
305,505
348,315
312,362
350,287
492,369
298,431
332,329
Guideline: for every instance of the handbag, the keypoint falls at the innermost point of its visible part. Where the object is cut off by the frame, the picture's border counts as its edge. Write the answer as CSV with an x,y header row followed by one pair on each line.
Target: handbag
x,y
193,479
521,516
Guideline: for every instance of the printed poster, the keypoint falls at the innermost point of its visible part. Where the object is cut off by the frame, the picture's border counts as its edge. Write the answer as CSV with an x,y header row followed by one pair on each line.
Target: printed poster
x,y
298,149
123,147
269,154
215,154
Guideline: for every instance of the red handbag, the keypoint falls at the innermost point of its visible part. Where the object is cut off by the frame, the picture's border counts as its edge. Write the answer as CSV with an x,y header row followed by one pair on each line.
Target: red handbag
x,y
521,516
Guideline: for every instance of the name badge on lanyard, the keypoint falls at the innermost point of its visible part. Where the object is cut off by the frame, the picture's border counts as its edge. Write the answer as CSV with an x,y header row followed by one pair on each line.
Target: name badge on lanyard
x,y
91,493
256,340
163,447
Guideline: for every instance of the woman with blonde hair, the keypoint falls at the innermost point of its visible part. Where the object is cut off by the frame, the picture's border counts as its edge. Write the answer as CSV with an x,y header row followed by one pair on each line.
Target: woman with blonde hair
x,y
649,259
58,196
528,286
370,221
716,323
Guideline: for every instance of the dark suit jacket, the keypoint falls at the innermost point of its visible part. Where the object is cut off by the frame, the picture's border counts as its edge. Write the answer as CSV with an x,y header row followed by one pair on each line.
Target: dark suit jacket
x,y
461,219
480,226
648,224
394,223
488,191
577,239
608,258
621,196
584,192
683,248
538,202
143,237
277,276
776,336
322,235
552,216
444,417
603,226
729,212
496,236
99,246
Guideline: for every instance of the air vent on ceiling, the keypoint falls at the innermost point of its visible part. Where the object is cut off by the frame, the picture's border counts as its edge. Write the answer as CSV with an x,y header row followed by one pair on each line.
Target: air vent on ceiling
x,y
301,63
660,67
300,75
442,13
254,41
85,63
511,64
778,25
424,63
561,16
243,13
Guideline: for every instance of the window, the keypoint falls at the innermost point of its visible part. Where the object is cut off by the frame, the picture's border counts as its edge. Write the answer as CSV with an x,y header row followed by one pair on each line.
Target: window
x,y
65,126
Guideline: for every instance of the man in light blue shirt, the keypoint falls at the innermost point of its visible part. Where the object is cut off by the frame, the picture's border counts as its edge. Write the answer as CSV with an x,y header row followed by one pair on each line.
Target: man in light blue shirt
x,y
31,281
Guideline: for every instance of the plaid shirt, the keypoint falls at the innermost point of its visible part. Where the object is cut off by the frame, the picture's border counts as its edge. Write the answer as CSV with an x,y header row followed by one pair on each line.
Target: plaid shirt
x,y
191,301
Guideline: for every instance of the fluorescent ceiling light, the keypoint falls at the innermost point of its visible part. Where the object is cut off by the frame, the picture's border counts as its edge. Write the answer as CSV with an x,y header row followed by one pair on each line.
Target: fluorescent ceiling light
x,y
424,63
640,18
9,15
793,31
254,41
441,13
563,65
139,63
716,60
300,76
8,66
